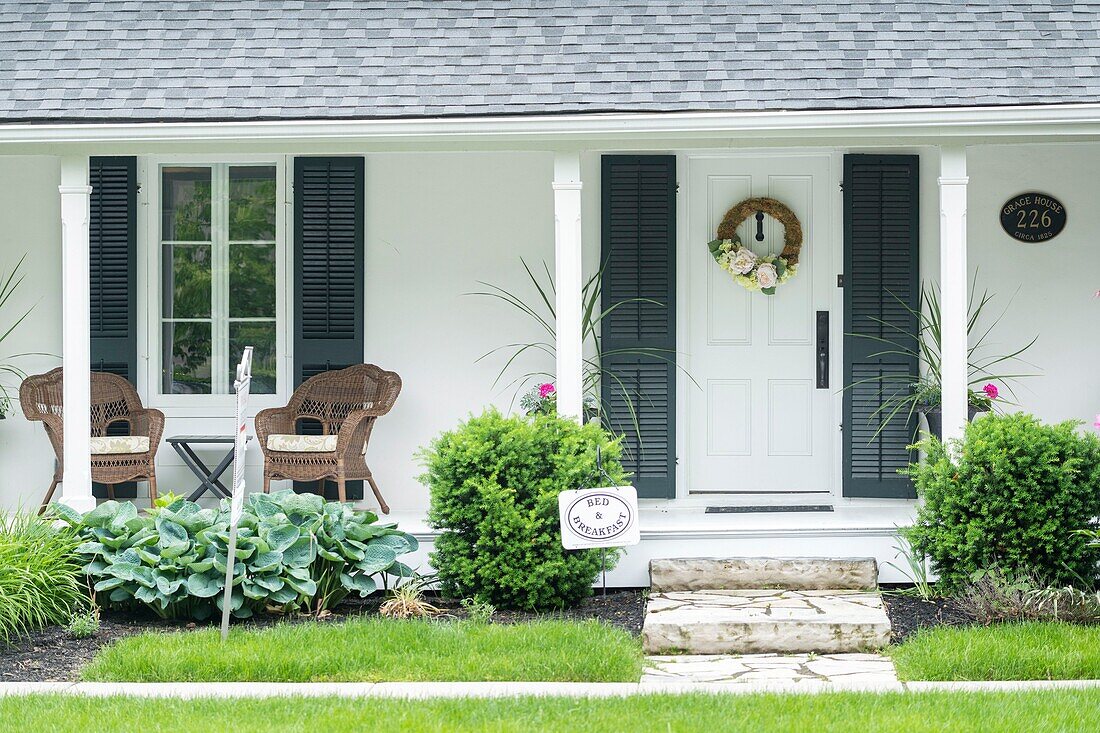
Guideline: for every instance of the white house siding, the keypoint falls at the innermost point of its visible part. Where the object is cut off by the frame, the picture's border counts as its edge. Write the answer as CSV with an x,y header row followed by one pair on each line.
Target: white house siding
x,y
30,222
437,223
1053,285
1049,289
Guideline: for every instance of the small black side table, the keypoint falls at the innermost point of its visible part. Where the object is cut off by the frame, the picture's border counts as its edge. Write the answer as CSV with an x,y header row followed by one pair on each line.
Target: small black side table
x,y
209,477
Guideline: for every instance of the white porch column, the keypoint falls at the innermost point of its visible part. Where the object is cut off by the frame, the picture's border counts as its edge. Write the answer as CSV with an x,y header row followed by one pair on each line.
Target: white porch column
x,y
76,487
953,295
568,283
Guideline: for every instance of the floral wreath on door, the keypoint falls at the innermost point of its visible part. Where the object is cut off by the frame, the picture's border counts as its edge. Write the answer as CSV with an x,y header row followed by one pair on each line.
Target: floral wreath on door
x,y
750,270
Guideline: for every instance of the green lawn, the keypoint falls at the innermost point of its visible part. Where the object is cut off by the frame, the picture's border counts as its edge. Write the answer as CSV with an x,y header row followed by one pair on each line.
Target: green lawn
x,y
1029,651
1048,711
376,650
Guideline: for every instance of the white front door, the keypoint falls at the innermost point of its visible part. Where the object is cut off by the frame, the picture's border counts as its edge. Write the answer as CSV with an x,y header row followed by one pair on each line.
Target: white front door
x,y
758,420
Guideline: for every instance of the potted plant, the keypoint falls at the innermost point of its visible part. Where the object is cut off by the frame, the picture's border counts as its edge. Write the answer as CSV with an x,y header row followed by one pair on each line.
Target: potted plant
x,y
921,393
929,400
539,307
542,399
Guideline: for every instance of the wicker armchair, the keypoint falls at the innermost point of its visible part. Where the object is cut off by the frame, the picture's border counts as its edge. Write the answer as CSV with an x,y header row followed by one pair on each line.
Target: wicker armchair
x,y
114,402
346,403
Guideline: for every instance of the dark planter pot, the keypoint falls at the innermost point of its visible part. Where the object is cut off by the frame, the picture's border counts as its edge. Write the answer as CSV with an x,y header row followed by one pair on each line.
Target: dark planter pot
x,y
934,418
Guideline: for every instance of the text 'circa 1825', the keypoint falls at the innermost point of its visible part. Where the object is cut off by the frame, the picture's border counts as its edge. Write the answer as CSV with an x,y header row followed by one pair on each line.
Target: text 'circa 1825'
x,y
1033,217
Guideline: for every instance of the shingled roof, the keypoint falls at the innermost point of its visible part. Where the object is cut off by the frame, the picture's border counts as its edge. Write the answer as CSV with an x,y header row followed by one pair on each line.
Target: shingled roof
x,y
138,60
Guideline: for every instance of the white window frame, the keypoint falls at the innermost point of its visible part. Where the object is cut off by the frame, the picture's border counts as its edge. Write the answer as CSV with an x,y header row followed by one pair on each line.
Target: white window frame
x,y
152,311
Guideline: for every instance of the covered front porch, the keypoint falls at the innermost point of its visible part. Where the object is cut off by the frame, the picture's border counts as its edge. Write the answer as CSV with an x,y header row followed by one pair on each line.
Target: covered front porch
x,y
748,424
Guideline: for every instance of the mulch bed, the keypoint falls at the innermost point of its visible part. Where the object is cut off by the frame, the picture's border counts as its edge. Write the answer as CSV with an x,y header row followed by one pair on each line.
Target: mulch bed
x,y
909,613
52,655
622,607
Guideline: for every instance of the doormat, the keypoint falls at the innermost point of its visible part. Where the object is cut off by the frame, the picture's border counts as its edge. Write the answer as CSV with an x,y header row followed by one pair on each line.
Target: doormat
x,y
768,509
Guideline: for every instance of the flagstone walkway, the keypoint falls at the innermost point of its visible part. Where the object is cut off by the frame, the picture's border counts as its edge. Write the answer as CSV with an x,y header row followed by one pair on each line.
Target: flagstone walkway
x,y
715,622
752,622
755,669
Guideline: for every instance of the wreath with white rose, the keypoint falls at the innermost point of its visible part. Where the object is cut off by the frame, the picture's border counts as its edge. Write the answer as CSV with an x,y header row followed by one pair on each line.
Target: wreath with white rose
x,y
750,270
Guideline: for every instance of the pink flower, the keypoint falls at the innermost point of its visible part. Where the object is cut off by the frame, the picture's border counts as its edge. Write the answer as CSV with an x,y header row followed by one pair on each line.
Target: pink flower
x,y
545,390
1097,423
991,391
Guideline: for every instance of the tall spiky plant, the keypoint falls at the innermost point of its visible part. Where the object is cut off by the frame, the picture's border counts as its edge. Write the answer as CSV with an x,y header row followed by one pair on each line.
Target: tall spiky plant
x,y
8,286
542,311
907,394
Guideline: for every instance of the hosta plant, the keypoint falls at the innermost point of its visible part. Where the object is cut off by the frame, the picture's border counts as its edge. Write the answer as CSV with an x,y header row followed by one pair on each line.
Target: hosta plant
x,y
294,552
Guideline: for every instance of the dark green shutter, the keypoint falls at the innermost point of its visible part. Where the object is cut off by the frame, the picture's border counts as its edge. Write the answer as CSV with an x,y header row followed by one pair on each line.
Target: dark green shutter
x,y
328,266
639,256
112,241
881,272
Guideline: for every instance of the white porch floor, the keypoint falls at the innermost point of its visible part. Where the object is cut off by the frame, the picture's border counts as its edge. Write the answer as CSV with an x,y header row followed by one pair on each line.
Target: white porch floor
x,y
851,530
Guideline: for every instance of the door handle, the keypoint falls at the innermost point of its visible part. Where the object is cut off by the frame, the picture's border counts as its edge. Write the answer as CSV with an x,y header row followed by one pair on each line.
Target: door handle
x,y
823,349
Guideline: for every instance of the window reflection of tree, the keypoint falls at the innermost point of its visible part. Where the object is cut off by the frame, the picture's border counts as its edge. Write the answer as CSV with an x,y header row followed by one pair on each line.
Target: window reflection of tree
x,y
252,213
187,219
252,272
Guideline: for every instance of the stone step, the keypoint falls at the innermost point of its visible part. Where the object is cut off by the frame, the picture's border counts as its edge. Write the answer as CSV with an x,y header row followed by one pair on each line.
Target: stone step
x,y
787,573
764,621
804,670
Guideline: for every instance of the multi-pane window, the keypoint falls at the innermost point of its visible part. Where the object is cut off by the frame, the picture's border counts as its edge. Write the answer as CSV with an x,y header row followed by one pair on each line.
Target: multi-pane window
x,y
218,263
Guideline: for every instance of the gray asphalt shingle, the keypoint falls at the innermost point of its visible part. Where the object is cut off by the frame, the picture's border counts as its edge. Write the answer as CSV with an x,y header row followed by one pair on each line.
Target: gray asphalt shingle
x,y
262,59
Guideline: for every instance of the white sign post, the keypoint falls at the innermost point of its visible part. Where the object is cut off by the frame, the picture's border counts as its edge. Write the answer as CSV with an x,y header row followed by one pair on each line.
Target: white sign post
x,y
240,443
603,517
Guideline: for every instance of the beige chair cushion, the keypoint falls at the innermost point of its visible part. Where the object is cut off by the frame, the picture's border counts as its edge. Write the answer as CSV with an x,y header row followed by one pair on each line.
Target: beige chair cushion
x,y
302,443
120,444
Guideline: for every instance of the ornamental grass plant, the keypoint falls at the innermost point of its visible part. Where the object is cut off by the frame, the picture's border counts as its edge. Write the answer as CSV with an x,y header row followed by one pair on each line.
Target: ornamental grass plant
x,y
41,581
903,395
599,374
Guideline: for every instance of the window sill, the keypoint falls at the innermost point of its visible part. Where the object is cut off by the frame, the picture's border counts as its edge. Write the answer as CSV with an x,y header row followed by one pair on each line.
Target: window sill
x,y
212,406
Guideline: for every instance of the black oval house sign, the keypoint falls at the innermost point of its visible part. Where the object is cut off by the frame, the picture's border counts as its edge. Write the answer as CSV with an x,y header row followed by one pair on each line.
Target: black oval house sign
x,y
1033,217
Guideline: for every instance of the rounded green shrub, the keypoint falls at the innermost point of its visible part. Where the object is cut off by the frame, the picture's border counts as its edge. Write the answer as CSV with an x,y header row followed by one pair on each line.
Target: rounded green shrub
x,y
1014,498
494,494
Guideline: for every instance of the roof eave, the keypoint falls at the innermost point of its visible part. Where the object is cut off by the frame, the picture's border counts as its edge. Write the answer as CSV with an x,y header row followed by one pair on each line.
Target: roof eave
x,y
1063,120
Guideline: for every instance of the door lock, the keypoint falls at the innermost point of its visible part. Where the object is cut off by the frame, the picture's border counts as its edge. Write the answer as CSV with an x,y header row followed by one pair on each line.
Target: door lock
x,y
823,349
